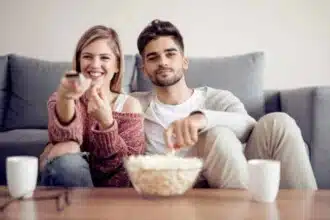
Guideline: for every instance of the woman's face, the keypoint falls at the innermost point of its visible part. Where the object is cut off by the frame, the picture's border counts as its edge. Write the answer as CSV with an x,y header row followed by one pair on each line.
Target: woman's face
x,y
99,63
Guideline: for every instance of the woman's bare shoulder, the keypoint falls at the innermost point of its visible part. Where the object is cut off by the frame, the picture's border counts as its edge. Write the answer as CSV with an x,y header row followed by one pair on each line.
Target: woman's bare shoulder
x,y
132,105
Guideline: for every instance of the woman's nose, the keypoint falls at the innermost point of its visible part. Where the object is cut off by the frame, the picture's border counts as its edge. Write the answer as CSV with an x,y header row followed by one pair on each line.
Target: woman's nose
x,y
96,62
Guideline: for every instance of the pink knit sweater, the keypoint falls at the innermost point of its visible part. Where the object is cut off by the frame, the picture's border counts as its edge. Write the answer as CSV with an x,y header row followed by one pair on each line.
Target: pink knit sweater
x,y
106,147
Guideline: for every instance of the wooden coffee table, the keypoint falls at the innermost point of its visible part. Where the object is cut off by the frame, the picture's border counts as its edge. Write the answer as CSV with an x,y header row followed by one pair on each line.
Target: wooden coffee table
x,y
125,203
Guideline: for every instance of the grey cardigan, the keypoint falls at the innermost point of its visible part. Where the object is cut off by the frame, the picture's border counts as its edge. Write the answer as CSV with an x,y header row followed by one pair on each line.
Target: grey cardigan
x,y
220,107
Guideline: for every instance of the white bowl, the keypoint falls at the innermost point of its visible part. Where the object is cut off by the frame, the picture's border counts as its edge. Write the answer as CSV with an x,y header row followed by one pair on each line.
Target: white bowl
x,y
162,175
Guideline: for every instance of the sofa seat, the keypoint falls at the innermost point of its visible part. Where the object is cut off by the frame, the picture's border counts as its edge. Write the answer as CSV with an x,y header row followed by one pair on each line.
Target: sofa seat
x,y
20,142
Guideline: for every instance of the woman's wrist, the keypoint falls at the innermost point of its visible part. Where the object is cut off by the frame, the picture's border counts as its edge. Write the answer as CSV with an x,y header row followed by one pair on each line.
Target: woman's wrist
x,y
106,124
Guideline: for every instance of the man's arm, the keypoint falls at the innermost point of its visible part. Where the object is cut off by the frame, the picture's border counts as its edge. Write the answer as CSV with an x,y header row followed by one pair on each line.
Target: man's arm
x,y
224,109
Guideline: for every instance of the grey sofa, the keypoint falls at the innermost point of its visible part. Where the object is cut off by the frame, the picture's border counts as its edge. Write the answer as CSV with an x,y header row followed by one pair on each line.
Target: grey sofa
x,y
26,83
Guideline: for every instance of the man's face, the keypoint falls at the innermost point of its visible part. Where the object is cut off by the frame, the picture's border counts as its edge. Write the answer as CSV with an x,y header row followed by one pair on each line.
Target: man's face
x,y
163,62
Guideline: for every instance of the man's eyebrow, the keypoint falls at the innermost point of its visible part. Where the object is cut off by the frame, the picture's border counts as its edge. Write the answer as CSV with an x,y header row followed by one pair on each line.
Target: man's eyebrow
x,y
171,49
166,50
151,54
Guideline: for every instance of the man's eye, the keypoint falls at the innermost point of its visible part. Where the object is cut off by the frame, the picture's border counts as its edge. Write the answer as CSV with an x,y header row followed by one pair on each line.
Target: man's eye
x,y
152,58
171,54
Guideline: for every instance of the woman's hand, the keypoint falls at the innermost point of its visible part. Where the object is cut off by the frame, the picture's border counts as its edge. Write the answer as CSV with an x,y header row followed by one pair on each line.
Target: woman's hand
x,y
99,107
71,88
73,85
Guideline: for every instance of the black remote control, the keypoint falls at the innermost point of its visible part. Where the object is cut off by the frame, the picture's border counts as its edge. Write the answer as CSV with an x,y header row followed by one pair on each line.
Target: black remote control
x,y
72,75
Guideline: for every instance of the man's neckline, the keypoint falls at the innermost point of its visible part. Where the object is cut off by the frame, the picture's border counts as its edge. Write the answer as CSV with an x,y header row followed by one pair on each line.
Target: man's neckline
x,y
157,101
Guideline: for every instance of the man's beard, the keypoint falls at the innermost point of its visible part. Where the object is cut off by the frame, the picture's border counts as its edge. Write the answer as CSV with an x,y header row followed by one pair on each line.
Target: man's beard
x,y
161,82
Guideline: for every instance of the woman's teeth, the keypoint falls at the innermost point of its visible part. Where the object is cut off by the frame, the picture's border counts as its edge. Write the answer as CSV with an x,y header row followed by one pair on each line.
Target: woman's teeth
x,y
95,74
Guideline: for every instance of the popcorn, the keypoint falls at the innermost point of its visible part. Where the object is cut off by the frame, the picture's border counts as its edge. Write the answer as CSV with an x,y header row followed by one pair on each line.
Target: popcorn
x,y
162,175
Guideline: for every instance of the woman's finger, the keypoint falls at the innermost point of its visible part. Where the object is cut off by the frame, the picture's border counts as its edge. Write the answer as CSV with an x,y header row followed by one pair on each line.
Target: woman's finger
x,y
95,96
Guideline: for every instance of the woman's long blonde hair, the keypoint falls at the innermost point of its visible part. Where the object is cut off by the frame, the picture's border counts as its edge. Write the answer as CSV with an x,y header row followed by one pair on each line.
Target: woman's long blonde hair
x,y
102,32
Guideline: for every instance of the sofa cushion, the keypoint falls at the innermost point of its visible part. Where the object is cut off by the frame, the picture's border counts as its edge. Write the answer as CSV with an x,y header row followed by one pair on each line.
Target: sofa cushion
x,y
241,74
129,73
20,142
3,88
32,81
298,103
321,139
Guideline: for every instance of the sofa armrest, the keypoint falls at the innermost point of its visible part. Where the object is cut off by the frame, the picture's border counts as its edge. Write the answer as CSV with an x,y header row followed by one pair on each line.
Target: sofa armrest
x,y
310,108
320,153
298,103
272,101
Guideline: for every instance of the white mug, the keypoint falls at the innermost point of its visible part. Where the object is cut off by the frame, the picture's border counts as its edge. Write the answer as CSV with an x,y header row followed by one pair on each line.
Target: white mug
x,y
264,179
22,175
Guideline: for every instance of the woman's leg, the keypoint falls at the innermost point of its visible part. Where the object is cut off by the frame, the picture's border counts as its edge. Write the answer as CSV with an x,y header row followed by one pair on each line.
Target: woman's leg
x,y
64,165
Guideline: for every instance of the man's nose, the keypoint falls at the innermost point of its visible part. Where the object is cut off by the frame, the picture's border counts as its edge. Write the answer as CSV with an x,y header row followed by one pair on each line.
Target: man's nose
x,y
163,61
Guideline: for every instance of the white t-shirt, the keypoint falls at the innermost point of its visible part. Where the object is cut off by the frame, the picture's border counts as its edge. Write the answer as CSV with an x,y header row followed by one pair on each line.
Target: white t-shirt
x,y
165,114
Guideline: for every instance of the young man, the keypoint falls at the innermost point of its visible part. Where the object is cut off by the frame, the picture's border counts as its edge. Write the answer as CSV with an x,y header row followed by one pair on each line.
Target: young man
x,y
210,123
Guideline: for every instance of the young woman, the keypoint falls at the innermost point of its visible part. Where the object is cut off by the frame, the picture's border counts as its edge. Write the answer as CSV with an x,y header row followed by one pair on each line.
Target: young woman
x,y
92,125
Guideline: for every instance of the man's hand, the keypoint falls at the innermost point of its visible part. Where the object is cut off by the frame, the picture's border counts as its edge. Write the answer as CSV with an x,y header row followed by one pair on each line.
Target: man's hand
x,y
184,132
99,107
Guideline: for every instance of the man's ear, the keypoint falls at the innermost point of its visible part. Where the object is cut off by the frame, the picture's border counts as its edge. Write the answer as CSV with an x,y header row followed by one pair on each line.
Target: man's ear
x,y
185,63
142,69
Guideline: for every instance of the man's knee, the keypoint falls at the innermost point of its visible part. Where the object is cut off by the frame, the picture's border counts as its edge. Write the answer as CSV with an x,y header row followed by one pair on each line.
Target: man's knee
x,y
221,139
67,170
276,127
224,161
277,119
220,132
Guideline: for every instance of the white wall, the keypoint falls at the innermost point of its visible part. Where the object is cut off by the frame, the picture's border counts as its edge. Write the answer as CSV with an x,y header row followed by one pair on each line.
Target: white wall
x,y
295,34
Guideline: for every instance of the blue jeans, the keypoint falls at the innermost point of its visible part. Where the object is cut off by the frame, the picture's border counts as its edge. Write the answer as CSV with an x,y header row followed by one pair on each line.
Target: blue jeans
x,y
69,170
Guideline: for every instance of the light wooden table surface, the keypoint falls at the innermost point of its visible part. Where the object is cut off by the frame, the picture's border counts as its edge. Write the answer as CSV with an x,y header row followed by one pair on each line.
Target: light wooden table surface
x,y
125,203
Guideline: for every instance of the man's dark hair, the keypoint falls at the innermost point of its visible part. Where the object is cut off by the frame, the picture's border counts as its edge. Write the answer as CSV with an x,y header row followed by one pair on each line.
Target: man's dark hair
x,y
156,29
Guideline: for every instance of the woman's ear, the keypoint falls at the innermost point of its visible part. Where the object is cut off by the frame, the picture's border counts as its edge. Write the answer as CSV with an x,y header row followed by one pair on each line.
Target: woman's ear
x,y
117,69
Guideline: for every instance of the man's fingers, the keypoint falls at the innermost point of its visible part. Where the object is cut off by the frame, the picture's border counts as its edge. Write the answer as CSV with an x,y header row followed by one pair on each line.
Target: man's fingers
x,y
193,133
187,133
179,138
168,135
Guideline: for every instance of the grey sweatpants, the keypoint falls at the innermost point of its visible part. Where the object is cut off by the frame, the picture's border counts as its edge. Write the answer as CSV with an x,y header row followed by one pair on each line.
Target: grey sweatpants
x,y
275,136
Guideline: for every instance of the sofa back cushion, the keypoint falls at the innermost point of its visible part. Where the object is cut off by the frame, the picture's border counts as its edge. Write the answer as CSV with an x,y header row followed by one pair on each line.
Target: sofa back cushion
x,y
241,74
32,81
3,88
130,69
